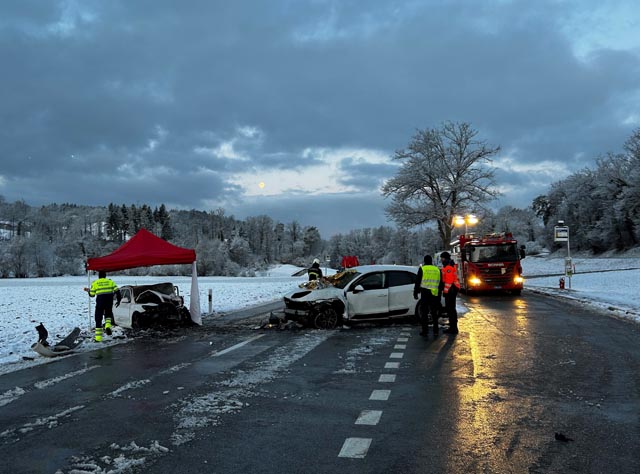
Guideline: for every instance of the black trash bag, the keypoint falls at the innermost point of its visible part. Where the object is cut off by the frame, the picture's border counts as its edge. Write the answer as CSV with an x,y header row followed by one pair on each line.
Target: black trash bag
x,y
42,334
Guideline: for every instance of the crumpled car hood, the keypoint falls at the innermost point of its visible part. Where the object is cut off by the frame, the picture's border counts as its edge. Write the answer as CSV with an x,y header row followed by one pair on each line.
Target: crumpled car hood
x,y
316,295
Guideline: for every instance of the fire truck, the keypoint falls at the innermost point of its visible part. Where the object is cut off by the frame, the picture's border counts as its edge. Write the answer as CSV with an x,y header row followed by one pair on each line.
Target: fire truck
x,y
488,263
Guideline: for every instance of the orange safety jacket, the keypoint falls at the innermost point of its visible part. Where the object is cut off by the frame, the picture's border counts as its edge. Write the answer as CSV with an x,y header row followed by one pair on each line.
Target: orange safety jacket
x,y
450,277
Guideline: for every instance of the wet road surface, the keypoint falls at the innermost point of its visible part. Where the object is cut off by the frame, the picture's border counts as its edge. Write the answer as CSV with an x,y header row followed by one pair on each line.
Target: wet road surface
x,y
230,398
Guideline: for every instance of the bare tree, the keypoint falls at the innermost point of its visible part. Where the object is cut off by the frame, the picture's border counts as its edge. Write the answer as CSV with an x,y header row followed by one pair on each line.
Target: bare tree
x,y
443,174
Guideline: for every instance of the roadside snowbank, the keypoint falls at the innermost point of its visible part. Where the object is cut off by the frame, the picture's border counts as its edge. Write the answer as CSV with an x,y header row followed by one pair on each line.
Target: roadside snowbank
x,y
608,284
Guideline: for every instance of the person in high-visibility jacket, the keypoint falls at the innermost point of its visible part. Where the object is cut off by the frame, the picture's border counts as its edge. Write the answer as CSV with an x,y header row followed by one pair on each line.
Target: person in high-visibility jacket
x,y
104,289
428,287
450,287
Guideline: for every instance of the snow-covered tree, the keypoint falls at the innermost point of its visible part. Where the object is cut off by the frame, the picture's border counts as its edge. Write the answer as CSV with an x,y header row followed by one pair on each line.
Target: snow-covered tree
x,y
444,172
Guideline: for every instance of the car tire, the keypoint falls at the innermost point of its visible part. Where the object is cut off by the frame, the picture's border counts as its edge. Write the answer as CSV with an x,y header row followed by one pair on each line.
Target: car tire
x,y
327,318
135,320
416,317
185,316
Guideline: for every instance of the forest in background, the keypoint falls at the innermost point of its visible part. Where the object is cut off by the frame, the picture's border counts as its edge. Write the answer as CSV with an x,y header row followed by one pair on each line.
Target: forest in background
x,y
57,239
601,206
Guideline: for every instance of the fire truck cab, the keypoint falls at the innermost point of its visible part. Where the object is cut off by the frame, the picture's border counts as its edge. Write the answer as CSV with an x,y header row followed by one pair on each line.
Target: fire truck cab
x,y
488,263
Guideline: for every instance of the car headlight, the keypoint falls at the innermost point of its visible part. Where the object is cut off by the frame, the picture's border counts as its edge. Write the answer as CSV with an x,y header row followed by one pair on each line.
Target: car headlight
x,y
518,279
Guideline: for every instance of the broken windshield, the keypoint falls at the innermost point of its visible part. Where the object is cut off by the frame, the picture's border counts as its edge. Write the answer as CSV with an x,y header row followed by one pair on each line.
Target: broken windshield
x,y
342,279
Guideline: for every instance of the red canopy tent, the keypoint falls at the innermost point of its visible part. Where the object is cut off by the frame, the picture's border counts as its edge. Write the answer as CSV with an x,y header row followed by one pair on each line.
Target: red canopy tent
x,y
144,250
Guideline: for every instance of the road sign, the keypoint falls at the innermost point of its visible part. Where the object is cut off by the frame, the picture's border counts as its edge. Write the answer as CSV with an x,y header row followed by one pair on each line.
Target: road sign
x,y
561,234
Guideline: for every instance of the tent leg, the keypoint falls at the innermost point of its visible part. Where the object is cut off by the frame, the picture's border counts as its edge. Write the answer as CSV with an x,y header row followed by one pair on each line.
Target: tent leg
x,y
89,297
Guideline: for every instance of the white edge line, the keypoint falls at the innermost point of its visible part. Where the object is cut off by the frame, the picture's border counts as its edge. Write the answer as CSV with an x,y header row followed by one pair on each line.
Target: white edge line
x,y
237,346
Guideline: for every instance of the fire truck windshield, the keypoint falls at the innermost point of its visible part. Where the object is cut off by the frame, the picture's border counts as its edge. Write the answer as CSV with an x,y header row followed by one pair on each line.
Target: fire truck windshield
x,y
493,253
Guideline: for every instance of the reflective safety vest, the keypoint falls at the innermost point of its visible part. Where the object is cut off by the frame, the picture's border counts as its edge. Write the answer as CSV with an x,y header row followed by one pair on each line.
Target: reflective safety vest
x,y
450,277
314,273
103,286
430,278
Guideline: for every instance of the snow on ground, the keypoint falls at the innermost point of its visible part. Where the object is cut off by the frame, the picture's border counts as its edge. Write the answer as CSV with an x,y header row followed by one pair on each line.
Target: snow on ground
x,y
61,304
602,283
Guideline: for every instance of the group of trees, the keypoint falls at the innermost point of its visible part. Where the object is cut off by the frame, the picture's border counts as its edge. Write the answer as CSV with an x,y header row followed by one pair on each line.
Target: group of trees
x,y
601,206
444,172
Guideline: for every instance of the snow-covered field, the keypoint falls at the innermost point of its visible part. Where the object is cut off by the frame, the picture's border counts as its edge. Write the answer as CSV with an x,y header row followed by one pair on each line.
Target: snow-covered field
x,y
61,304
604,283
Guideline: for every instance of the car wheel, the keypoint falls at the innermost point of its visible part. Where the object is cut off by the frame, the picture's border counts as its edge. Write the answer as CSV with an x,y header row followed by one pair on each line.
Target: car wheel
x,y
185,316
135,320
327,318
416,317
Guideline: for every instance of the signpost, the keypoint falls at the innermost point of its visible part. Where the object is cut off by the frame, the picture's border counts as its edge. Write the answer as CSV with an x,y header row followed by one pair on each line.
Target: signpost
x,y
561,234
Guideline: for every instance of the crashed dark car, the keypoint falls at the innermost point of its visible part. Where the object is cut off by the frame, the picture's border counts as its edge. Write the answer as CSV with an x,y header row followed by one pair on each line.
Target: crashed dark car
x,y
363,293
151,305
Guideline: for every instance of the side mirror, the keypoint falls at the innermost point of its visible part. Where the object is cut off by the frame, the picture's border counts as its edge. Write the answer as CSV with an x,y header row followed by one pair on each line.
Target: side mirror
x,y
358,289
522,252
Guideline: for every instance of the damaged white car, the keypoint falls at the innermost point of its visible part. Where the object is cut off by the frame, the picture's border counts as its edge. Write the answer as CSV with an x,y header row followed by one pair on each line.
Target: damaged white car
x,y
144,306
363,293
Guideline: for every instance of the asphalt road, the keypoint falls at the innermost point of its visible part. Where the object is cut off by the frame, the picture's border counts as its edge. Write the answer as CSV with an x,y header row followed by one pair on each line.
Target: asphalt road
x,y
230,398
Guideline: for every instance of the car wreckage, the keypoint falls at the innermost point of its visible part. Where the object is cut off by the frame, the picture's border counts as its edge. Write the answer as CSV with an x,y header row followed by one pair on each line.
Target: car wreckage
x,y
144,306
362,293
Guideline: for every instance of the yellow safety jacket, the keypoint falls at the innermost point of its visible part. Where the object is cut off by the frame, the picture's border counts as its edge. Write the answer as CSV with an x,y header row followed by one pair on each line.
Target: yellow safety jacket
x,y
430,278
102,286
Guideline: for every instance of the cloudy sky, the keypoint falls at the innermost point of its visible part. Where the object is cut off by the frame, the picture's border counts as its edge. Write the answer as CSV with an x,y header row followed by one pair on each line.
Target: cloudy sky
x,y
293,108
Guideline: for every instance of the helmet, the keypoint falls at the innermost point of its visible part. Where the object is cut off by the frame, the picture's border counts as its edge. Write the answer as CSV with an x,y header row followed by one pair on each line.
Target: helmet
x,y
315,260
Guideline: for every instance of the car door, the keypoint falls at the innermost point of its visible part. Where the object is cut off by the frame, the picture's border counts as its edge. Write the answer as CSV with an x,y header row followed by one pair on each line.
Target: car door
x,y
122,313
370,302
401,284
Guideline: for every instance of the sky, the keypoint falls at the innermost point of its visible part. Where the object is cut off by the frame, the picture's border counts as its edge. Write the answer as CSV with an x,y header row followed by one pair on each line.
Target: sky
x,y
294,108
27,302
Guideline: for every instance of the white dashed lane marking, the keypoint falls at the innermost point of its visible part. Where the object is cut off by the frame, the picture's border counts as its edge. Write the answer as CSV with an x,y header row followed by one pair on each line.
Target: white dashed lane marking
x,y
355,448
369,417
380,395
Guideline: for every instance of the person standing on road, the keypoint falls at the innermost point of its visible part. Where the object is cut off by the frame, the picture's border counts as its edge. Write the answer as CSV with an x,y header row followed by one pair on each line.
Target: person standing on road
x,y
428,287
450,287
103,289
315,273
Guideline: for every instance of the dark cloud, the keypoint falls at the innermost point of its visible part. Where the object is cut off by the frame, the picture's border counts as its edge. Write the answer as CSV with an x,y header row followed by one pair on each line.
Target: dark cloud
x,y
203,91
365,176
332,214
